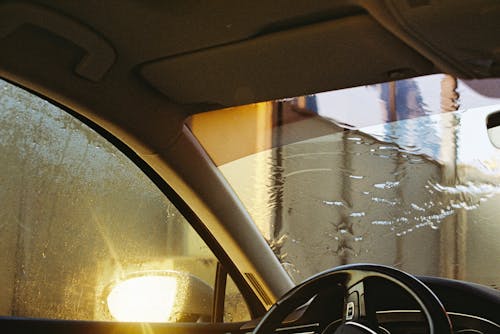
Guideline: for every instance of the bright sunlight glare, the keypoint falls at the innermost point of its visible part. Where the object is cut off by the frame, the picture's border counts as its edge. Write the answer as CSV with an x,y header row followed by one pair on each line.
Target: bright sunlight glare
x,y
143,299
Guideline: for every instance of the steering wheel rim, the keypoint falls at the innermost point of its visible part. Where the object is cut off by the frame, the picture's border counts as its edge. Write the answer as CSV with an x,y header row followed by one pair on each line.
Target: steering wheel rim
x,y
348,276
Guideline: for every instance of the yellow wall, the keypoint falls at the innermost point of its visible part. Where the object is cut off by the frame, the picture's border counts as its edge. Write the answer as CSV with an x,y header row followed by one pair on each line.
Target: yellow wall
x,y
250,131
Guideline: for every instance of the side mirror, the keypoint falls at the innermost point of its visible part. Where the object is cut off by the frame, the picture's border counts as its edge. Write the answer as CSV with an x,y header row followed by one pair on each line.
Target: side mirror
x,y
493,125
159,296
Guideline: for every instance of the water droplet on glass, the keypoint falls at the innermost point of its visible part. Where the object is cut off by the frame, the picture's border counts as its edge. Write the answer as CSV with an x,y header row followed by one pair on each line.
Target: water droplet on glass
x,y
386,185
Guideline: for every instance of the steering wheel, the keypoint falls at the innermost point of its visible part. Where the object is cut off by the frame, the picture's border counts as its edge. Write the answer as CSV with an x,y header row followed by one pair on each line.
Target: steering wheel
x,y
356,316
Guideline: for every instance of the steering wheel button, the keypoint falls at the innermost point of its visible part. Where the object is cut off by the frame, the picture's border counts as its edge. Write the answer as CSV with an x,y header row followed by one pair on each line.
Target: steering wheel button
x,y
349,313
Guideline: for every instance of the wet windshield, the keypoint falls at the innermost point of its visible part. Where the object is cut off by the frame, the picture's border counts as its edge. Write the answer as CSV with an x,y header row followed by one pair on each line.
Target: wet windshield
x,y
401,173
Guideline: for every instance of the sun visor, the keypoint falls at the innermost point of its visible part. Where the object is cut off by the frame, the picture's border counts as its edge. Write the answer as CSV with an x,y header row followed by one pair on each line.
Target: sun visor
x,y
329,55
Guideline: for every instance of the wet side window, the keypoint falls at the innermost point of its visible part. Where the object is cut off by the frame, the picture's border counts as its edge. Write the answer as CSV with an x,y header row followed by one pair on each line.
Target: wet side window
x,y
84,233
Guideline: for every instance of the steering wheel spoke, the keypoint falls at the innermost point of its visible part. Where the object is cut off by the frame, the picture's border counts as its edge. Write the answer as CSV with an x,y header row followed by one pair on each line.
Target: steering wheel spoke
x,y
356,309
354,302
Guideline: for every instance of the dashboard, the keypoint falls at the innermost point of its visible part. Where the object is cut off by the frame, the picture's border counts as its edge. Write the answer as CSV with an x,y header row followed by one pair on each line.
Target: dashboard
x,y
404,321
472,309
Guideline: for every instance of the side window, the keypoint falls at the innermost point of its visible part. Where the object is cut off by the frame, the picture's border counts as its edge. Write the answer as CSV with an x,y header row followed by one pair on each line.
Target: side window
x,y
85,235
235,308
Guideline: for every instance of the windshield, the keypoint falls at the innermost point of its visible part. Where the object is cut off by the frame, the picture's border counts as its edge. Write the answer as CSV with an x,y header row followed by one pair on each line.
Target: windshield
x,y
401,173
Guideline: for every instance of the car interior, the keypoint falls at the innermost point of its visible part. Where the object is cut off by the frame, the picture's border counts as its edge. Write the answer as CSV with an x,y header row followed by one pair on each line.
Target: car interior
x,y
142,79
